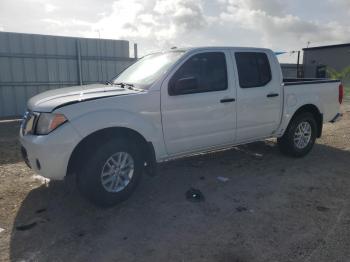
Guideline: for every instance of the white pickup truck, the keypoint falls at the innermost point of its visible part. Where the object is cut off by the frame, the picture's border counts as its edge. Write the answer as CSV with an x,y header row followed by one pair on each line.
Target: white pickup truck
x,y
168,105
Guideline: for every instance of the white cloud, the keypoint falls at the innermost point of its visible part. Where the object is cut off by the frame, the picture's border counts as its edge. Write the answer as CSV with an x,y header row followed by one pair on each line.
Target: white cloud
x,y
271,7
186,13
155,24
123,21
50,7
345,3
67,27
68,23
283,31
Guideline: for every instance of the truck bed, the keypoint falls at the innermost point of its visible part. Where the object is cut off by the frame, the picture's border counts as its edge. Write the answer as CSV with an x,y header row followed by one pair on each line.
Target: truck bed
x,y
321,92
302,81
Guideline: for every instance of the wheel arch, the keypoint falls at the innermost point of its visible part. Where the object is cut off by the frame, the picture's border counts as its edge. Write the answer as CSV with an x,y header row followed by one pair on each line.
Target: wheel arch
x,y
103,135
311,108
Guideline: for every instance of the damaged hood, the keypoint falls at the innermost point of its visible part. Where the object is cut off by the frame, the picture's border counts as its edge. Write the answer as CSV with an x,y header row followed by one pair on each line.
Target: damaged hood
x,y
49,100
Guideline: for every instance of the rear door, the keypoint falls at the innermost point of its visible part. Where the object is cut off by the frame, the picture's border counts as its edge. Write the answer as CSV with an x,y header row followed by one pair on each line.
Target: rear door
x,y
259,98
198,103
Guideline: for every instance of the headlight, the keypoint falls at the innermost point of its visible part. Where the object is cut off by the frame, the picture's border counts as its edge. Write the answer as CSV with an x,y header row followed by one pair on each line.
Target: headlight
x,y
48,122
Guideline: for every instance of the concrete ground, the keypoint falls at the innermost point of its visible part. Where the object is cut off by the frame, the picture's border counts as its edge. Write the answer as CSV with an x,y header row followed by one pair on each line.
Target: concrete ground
x,y
271,208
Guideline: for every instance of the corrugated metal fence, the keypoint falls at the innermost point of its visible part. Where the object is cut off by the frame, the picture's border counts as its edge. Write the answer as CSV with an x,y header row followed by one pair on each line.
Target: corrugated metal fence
x,y
30,64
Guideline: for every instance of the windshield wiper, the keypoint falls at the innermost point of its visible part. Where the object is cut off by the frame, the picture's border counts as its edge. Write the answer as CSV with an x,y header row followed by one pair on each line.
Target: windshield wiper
x,y
126,85
123,85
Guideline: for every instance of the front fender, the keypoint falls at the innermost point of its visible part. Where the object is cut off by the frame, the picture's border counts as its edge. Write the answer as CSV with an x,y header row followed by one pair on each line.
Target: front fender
x,y
140,115
89,123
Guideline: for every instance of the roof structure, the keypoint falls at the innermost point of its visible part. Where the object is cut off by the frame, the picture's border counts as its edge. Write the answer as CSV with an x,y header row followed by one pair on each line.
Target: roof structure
x,y
326,47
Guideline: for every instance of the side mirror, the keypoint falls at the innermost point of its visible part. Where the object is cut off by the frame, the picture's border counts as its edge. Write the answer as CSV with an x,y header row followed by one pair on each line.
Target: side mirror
x,y
184,85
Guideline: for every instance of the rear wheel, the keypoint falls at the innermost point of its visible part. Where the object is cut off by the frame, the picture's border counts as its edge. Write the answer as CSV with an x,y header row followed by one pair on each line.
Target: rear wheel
x,y
111,173
300,135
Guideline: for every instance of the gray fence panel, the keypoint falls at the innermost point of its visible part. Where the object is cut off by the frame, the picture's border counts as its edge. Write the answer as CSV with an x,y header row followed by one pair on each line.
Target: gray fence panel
x,y
30,64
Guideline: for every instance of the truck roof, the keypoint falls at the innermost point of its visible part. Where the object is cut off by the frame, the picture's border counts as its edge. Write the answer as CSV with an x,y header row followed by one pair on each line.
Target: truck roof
x,y
219,47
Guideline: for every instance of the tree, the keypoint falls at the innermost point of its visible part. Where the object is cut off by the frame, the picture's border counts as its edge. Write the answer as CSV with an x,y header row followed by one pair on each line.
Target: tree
x,y
341,75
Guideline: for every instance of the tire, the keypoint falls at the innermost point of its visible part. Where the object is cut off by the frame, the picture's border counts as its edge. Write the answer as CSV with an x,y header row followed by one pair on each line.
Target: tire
x,y
289,143
102,165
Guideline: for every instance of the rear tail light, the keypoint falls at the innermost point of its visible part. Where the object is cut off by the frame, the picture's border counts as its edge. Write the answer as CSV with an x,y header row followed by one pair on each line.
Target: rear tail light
x,y
341,93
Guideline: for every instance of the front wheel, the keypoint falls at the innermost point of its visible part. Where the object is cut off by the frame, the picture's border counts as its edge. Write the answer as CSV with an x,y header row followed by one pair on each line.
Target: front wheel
x,y
111,173
300,136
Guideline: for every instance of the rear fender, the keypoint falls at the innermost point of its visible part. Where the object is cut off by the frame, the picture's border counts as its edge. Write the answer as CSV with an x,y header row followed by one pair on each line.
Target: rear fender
x,y
294,105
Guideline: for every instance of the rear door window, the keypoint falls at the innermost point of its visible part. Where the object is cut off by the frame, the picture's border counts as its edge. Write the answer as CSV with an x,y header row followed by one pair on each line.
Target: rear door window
x,y
253,69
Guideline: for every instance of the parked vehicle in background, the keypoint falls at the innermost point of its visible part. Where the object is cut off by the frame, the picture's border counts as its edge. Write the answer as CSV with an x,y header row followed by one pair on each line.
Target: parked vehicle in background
x,y
168,105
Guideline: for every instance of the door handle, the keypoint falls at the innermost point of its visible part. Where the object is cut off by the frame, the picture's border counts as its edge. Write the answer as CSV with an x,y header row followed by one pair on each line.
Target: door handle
x,y
272,95
227,100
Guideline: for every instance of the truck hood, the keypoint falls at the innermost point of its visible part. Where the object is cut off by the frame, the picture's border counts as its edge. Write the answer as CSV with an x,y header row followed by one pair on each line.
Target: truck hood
x,y
50,100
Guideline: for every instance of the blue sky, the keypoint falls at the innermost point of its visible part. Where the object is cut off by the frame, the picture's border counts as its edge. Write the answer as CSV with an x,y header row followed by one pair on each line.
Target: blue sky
x,y
160,24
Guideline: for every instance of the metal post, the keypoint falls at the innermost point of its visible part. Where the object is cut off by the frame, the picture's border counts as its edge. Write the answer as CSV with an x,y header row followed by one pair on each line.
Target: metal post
x,y
135,50
100,61
79,62
298,64
99,56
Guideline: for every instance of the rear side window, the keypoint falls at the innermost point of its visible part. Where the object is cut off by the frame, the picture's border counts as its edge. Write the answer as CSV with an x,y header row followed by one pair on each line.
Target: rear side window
x,y
253,69
209,71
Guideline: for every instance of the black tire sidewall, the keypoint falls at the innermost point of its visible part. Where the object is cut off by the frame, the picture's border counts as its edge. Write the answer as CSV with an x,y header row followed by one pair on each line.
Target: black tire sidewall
x,y
89,180
305,117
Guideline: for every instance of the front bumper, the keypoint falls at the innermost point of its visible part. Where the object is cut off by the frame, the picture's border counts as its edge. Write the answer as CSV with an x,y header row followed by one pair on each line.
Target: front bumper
x,y
25,156
49,155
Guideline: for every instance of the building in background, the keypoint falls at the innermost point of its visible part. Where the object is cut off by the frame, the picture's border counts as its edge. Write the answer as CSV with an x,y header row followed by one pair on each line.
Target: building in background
x,y
317,59
30,64
289,70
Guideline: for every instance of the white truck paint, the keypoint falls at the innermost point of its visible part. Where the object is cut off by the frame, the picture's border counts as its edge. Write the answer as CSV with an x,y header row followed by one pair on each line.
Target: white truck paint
x,y
176,126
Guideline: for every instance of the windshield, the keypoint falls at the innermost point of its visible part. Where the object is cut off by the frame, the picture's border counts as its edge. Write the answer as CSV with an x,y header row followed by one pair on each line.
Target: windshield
x,y
148,69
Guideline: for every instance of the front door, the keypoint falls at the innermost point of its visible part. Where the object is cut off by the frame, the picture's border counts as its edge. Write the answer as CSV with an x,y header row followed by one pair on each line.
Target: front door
x,y
198,104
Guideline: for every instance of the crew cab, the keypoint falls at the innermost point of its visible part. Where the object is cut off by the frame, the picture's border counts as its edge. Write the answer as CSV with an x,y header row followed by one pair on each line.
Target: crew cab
x,y
168,105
